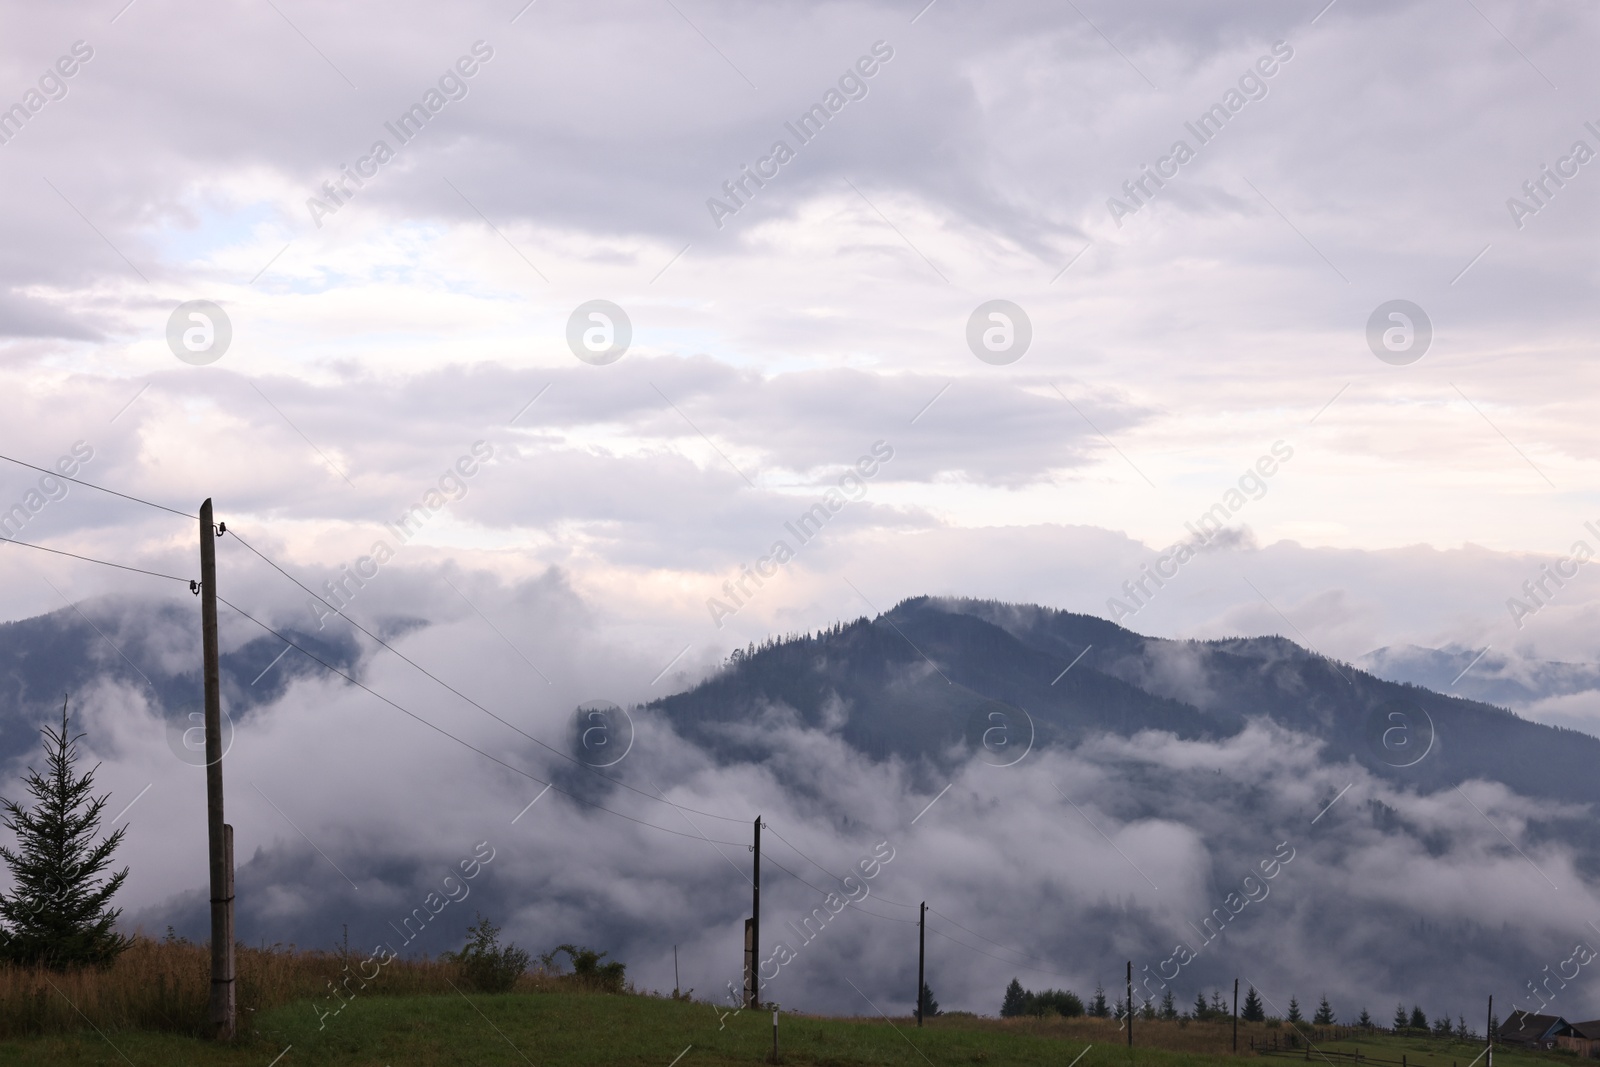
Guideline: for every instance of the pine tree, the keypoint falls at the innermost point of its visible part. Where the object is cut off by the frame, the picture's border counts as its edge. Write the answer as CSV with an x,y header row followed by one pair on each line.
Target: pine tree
x,y
1219,1007
1169,1010
1294,1011
1253,1011
57,914
1419,1021
1442,1026
1097,1007
1014,1003
1463,1033
1365,1021
1399,1018
1148,1009
1200,1010
1494,1025
1120,1011
1324,1015
930,1007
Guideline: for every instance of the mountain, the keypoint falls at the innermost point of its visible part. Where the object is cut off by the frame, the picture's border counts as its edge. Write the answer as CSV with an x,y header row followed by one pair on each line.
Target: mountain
x,y
1067,794
915,684
150,648
1549,691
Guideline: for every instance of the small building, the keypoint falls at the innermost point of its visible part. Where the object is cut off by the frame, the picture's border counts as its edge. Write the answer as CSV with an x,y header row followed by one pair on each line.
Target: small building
x,y
1582,1038
1529,1030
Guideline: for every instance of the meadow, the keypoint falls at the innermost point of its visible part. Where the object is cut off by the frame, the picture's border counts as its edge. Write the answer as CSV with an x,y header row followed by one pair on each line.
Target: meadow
x,y
147,1009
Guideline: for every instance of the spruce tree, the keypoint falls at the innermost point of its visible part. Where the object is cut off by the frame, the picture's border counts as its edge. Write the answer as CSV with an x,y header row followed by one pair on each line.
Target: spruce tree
x,y
1399,1017
1014,1002
1148,1009
57,914
1252,1011
1097,1007
1200,1010
1324,1015
1169,1009
930,1007
1294,1011
1365,1021
1419,1020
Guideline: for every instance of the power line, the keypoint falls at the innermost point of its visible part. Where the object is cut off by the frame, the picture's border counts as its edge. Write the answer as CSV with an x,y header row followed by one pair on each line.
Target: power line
x,y
991,940
827,872
101,488
91,559
992,956
575,762
911,922
825,892
459,741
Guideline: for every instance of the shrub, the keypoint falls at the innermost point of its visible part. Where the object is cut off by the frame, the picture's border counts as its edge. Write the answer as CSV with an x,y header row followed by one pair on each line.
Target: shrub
x,y
485,965
587,970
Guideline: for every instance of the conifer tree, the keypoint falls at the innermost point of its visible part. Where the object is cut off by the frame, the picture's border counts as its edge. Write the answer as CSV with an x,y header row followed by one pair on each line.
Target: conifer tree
x,y
930,1007
57,914
1324,1015
1419,1020
1365,1021
1200,1010
1097,1007
1169,1009
1252,1011
1399,1018
1294,1011
1014,1002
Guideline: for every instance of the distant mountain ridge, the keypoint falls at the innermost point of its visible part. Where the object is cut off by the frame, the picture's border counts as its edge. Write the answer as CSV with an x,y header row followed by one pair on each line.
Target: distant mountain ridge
x,y
912,683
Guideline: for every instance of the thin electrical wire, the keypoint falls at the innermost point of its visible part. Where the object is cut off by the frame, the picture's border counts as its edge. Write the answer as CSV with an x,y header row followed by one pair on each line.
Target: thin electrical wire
x,y
101,488
823,869
511,726
465,744
825,892
91,559
991,940
992,956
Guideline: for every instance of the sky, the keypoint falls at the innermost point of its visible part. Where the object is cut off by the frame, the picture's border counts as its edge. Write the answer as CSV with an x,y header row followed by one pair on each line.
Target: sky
x,y
1220,336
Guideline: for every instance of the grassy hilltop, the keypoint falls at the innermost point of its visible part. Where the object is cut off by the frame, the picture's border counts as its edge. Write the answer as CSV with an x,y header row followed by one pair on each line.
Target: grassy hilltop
x,y
575,1029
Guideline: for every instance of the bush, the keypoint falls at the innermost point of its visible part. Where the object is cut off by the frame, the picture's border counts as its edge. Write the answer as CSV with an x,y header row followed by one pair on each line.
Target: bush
x,y
587,970
485,966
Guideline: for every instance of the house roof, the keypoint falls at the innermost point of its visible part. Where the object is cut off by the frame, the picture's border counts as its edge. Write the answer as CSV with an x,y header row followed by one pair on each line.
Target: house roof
x,y
1526,1026
1590,1029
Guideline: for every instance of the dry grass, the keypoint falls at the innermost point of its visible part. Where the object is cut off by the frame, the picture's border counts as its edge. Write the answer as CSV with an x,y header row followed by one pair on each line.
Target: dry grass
x,y
164,985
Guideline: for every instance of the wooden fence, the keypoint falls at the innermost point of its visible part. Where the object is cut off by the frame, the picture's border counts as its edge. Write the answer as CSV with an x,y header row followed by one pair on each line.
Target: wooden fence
x,y
1302,1049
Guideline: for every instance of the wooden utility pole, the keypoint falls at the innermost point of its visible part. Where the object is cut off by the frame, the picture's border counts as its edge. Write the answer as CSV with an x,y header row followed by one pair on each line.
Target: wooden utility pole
x,y
219,835
922,955
752,988
1488,1031
1130,1003
1236,1016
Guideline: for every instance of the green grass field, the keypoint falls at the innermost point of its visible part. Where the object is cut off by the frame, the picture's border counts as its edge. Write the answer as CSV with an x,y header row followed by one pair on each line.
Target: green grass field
x,y
587,1030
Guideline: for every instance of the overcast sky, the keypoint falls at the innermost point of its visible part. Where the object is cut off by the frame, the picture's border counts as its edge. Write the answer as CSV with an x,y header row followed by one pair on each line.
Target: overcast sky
x,y
1219,317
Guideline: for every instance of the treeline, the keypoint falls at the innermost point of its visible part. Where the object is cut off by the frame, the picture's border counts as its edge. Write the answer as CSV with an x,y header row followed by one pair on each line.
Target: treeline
x,y
1023,1002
